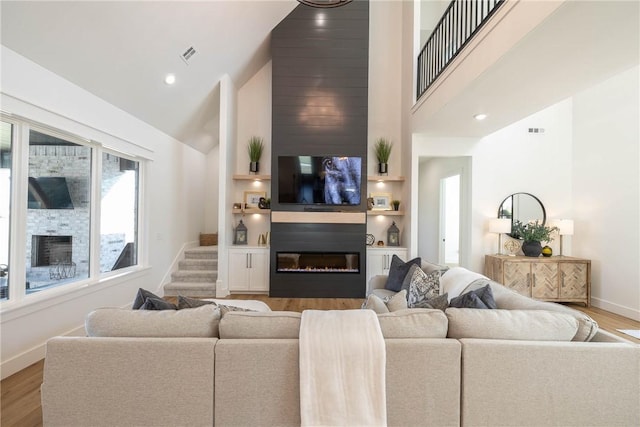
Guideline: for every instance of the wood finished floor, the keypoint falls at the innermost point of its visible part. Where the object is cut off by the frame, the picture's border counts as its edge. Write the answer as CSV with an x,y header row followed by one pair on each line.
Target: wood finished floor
x,y
20,393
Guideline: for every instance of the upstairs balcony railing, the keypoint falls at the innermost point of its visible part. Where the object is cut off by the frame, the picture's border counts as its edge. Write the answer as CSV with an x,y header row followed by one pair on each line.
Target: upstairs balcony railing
x,y
461,20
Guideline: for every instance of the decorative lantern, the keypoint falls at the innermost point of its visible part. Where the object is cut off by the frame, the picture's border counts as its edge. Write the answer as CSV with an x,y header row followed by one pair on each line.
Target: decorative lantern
x,y
240,236
393,235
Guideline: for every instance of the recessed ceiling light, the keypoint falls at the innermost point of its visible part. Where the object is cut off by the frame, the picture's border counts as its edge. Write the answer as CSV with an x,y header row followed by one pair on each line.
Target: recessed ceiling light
x,y
170,79
480,117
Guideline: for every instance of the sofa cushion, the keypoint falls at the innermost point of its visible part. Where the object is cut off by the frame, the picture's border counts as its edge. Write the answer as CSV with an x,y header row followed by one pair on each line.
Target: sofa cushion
x,y
119,322
477,298
510,300
422,286
429,267
260,325
414,323
530,325
397,272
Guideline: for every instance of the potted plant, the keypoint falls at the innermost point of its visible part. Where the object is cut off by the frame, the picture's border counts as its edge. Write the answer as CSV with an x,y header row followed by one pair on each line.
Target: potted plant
x,y
382,150
255,148
395,204
532,234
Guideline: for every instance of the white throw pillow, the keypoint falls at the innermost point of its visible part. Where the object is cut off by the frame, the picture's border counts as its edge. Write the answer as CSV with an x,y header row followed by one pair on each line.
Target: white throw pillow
x,y
393,303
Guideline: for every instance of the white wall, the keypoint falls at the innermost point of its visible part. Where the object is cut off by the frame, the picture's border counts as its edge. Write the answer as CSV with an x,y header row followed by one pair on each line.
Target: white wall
x,y
173,191
606,190
505,162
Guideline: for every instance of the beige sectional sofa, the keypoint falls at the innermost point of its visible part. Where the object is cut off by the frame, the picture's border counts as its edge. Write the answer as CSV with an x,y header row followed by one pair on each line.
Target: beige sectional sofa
x,y
242,370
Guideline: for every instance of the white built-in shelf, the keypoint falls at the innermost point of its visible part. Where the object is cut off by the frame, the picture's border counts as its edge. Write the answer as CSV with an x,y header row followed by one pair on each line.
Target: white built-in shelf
x,y
385,178
374,212
252,177
252,211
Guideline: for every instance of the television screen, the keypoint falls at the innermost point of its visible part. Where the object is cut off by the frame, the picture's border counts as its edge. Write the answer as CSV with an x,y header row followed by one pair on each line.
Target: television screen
x,y
49,192
319,180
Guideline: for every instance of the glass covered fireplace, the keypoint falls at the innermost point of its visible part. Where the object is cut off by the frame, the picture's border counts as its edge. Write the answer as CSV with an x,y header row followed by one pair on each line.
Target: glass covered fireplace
x,y
318,262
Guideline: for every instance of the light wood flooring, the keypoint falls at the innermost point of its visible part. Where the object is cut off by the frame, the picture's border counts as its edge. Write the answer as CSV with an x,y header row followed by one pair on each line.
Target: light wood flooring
x,y
20,393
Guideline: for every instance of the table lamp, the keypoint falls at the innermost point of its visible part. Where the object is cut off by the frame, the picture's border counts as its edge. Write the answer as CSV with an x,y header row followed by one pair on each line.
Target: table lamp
x,y
500,225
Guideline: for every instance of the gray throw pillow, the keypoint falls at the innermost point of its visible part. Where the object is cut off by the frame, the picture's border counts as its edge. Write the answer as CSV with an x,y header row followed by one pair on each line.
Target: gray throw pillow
x,y
141,296
157,304
224,309
478,298
186,302
441,302
397,272
423,286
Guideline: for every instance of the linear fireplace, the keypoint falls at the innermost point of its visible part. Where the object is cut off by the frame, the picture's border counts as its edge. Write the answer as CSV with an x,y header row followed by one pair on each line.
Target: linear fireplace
x,y
317,262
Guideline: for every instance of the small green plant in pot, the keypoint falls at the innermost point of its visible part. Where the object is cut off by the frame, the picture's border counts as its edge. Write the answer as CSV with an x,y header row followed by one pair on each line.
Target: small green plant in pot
x,y
382,149
532,234
395,204
255,148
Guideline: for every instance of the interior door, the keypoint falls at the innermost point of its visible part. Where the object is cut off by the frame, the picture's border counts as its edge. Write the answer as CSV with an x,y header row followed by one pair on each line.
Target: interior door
x,y
450,221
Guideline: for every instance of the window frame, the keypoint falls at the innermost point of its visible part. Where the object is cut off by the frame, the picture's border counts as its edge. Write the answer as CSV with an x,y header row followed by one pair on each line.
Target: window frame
x,y
17,295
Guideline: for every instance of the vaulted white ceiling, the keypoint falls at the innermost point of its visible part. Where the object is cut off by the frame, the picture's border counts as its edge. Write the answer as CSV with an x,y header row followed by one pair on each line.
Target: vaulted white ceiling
x,y
121,51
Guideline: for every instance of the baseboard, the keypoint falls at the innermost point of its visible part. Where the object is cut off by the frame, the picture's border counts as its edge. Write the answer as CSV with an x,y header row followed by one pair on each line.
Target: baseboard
x,y
622,310
33,355
174,266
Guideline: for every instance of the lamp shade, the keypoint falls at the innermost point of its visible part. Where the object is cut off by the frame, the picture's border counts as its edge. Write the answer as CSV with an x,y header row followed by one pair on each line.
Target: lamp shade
x,y
500,225
565,227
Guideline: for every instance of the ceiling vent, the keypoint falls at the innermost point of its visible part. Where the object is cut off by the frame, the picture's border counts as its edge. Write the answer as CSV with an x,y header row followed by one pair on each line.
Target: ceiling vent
x,y
188,54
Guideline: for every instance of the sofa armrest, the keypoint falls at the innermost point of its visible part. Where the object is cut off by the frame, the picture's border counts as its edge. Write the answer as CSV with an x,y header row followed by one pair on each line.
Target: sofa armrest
x,y
376,282
128,381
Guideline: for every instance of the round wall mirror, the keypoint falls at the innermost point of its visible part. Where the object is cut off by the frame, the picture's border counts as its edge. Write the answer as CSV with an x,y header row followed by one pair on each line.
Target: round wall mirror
x,y
523,207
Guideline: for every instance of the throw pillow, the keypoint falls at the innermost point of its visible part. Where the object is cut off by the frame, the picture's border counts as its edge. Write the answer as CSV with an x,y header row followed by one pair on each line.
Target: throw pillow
x,y
157,304
397,272
186,302
478,298
141,296
441,302
397,301
393,303
375,303
423,286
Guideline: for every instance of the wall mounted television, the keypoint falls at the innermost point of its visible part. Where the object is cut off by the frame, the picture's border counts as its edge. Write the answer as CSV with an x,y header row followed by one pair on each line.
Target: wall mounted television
x,y
319,180
49,193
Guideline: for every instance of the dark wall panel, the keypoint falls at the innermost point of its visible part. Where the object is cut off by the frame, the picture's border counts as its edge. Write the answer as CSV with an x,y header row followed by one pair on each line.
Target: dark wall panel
x,y
320,60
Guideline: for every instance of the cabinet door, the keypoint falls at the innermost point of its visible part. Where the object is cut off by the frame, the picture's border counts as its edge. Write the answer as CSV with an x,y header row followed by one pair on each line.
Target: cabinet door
x,y
375,264
517,276
545,280
573,280
238,271
258,271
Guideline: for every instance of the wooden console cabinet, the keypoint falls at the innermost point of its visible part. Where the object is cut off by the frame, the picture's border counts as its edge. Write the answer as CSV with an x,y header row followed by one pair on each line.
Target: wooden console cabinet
x,y
558,278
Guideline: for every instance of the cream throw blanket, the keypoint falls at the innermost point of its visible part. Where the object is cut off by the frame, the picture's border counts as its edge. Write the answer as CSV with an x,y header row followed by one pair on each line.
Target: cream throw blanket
x,y
342,369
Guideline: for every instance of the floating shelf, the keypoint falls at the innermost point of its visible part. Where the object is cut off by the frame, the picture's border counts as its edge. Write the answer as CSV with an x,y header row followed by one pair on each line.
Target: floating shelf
x,y
385,213
252,211
252,177
385,178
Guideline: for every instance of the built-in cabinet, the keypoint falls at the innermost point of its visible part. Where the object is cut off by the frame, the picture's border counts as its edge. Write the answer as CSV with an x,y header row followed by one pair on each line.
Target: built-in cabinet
x,y
379,260
248,269
560,278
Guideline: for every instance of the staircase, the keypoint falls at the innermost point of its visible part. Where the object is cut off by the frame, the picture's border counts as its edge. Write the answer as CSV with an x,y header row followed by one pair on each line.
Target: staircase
x,y
196,275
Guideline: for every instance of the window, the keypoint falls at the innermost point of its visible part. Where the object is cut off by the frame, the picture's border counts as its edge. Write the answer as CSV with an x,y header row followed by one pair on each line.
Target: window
x,y
74,210
118,213
58,212
6,136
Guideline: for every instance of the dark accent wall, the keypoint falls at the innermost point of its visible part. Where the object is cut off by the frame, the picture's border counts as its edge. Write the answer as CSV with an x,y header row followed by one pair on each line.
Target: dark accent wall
x,y
320,61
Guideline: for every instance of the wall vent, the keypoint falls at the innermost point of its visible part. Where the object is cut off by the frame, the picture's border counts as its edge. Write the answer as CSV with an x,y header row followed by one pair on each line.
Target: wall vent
x,y
536,130
188,54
